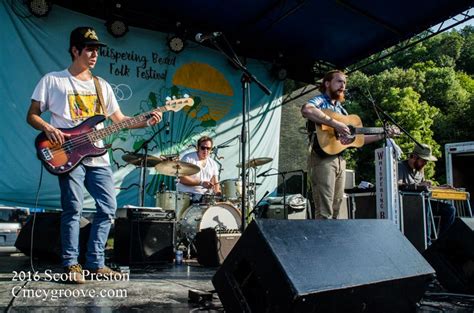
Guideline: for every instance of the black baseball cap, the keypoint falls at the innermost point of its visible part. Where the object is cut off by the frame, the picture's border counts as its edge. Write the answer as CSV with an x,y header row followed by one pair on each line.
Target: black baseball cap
x,y
84,36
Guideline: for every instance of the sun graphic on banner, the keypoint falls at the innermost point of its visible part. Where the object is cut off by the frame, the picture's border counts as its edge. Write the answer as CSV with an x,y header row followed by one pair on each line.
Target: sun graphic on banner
x,y
210,85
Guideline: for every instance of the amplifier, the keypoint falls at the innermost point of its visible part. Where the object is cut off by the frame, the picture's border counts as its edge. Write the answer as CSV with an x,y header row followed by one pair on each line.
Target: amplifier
x,y
139,241
213,247
145,213
150,214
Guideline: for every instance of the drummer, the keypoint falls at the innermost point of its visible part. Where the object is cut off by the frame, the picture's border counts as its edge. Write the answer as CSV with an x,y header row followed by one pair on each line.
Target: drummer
x,y
206,181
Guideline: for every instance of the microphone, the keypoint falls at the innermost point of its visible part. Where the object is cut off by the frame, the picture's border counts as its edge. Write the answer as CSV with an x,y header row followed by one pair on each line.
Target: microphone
x,y
200,37
223,146
264,173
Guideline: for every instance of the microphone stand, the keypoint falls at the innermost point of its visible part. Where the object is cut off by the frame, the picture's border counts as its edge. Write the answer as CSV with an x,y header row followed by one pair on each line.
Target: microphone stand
x,y
215,151
141,186
246,78
378,110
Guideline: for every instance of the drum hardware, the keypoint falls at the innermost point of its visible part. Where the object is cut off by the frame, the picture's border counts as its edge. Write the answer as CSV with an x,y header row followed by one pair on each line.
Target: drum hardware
x,y
177,169
142,160
251,185
210,199
138,159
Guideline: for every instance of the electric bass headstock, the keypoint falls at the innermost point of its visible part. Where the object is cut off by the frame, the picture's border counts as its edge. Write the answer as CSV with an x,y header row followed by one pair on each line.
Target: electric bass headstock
x,y
175,105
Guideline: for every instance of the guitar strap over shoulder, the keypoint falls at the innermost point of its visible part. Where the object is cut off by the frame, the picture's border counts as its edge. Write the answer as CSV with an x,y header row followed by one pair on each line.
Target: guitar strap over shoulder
x,y
98,89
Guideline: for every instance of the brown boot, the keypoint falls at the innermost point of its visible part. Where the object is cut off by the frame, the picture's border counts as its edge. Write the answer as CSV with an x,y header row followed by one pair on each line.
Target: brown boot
x,y
75,275
105,273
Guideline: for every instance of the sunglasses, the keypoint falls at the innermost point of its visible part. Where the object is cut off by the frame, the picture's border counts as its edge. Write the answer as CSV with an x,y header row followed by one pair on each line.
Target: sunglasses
x,y
205,148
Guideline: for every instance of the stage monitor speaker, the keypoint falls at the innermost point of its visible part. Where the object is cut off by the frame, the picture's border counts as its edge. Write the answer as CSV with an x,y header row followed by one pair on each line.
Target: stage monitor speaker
x,y
213,247
322,266
140,241
452,256
47,236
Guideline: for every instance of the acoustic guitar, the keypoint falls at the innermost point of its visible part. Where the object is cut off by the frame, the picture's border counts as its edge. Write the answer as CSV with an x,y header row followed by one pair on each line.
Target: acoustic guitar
x,y
329,139
61,159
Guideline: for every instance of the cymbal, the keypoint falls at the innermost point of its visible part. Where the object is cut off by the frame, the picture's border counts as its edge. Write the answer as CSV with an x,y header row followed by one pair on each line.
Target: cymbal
x,y
255,162
137,158
176,168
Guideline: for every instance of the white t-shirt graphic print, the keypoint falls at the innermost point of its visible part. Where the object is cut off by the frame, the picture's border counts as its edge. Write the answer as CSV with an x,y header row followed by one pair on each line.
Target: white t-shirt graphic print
x,y
71,101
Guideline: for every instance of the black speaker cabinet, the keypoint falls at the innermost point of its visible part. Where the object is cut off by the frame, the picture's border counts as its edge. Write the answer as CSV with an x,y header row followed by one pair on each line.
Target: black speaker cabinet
x,y
143,241
452,256
322,266
414,219
47,237
362,205
213,247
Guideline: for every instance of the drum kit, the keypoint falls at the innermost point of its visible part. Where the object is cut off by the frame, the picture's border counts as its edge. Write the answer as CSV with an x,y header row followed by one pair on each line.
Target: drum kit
x,y
221,212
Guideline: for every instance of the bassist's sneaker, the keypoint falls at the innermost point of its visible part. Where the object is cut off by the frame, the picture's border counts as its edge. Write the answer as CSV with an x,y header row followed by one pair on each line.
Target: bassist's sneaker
x,y
75,275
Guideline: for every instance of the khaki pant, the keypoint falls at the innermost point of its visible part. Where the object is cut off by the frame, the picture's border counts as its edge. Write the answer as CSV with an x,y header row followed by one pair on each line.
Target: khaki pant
x,y
328,175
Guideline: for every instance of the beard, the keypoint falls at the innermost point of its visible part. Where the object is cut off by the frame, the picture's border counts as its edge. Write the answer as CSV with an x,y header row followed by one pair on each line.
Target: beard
x,y
337,95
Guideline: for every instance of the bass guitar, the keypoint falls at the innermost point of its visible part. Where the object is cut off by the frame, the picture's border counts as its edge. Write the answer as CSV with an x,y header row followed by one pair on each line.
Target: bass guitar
x,y
61,159
330,140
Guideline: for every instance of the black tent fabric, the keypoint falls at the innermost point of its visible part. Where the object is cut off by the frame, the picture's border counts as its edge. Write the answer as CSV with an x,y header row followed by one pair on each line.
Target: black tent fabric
x,y
293,33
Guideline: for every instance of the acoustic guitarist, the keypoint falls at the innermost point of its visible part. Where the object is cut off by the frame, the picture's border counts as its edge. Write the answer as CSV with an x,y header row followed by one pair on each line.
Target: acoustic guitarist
x,y
73,95
327,171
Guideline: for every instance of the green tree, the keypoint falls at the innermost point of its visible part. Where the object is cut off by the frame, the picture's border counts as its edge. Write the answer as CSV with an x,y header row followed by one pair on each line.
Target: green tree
x,y
428,89
393,90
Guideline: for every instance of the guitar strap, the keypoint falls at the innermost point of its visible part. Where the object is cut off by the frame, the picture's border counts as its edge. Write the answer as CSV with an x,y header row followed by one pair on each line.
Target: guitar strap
x,y
313,143
98,90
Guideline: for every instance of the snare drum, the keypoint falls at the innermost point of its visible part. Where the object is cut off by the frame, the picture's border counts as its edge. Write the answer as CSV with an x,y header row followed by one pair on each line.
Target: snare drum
x,y
231,189
166,201
219,216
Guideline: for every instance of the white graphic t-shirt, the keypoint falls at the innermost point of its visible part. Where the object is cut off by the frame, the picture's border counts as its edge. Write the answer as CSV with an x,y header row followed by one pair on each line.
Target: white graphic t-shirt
x,y
71,101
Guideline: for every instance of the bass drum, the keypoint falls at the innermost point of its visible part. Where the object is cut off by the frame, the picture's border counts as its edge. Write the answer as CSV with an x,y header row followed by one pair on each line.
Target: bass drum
x,y
221,216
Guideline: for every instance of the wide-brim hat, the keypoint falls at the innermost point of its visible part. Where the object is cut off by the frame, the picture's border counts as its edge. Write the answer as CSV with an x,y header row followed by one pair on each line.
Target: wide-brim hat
x,y
84,36
424,152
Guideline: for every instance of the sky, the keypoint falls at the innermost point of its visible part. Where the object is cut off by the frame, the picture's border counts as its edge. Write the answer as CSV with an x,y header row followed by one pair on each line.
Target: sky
x,y
457,18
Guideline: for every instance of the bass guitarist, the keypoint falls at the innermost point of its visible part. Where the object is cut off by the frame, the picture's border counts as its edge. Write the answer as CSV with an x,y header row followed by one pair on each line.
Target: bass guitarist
x,y
327,171
73,95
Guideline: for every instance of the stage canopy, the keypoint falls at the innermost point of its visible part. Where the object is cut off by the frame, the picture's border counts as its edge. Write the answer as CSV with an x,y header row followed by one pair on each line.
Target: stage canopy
x,y
295,34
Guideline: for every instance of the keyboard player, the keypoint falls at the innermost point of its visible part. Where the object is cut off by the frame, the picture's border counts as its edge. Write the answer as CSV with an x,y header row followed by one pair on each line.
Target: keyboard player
x,y
411,175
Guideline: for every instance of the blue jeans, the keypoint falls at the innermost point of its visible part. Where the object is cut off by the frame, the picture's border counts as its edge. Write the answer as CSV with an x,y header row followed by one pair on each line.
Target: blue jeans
x,y
99,183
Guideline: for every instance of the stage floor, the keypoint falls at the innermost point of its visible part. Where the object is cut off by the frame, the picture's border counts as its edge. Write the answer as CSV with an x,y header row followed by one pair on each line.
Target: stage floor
x,y
150,289
161,288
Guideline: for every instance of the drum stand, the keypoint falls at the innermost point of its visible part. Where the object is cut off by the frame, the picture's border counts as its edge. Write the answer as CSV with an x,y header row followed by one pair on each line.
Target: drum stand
x,y
175,235
143,165
252,194
176,181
